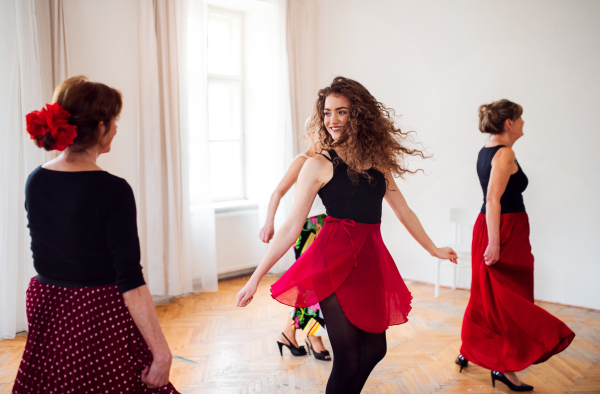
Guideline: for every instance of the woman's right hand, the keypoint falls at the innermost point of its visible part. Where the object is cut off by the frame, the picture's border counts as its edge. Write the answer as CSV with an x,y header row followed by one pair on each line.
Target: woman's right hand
x,y
446,253
492,253
157,374
266,233
246,295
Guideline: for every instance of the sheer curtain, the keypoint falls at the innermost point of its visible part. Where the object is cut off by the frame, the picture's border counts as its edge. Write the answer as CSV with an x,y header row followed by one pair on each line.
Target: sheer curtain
x,y
301,44
20,84
176,222
269,135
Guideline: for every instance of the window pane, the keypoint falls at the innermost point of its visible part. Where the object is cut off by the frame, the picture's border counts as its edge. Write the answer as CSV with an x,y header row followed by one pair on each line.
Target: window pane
x,y
226,179
224,44
224,111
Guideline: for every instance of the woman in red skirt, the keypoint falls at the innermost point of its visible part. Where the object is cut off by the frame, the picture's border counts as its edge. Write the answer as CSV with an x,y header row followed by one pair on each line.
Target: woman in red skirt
x,y
348,269
93,327
503,330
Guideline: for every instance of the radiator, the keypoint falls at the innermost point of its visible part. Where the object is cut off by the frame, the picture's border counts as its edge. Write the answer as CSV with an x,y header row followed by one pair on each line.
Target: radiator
x,y
238,246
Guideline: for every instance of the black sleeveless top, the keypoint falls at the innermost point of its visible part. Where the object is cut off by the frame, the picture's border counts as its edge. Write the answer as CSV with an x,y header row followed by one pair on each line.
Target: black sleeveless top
x,y
512,199
343,199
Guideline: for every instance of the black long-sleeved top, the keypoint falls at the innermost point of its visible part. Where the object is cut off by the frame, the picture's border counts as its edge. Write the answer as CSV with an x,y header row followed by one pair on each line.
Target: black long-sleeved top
x,y
83,229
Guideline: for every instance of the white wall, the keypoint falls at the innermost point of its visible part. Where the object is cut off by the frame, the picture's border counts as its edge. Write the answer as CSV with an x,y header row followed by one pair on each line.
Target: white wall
x,y
435,62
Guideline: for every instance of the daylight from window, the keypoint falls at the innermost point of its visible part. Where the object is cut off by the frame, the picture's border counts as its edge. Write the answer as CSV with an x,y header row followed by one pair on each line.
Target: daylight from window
x,y
225,105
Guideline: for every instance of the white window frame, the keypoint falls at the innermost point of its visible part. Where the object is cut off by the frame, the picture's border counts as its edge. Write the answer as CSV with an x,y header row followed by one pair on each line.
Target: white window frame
x,y
238,80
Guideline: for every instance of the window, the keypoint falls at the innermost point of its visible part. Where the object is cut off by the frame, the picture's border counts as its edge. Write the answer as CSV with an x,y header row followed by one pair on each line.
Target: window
x,y
225,105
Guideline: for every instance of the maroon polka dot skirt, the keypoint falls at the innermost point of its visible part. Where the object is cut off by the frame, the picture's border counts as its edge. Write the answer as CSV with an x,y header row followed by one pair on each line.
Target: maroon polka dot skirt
x,y
82,340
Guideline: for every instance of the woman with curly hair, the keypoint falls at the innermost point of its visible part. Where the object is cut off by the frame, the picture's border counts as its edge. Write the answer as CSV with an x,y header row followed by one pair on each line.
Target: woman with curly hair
x,y
348,268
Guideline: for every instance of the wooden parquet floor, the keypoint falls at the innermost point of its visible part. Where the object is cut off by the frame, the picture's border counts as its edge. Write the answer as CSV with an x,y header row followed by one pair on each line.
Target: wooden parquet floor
x,y
219,348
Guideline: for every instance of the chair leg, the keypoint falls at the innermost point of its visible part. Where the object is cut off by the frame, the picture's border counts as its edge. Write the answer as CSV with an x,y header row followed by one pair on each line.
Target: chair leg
x,y
457,282
437,280
454,268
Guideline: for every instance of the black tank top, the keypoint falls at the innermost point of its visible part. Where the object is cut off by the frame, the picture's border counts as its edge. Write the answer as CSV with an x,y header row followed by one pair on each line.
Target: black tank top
x,y
512,198
360,201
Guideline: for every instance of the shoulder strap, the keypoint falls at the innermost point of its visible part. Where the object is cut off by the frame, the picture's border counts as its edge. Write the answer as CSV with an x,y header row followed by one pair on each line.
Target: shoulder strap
x,y
495,150
326,157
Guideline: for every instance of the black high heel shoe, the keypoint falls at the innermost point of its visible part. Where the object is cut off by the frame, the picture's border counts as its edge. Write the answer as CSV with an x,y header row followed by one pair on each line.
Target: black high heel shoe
x,y
501,377
296,351
319,356
463,362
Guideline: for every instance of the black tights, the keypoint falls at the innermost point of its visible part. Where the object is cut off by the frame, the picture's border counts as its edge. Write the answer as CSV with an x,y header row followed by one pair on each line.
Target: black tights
x,y
355,352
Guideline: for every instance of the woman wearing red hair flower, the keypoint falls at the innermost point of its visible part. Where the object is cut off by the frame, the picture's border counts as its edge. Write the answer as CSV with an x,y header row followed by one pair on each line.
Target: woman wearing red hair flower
x,y
92,322
51,120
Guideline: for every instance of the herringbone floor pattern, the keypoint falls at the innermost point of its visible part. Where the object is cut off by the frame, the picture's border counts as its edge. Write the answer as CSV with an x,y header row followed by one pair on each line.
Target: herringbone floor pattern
x,y
219,348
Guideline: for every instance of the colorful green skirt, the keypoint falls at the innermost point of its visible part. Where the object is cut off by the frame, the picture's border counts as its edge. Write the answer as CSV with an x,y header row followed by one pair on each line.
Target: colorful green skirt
x,y
310,320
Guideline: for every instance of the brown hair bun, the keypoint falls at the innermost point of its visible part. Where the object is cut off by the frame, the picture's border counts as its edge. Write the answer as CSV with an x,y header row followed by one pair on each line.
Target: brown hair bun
x,y
493,116
89,103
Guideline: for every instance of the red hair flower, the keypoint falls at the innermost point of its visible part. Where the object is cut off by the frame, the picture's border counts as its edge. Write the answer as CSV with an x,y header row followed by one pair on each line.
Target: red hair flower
x,y
53,120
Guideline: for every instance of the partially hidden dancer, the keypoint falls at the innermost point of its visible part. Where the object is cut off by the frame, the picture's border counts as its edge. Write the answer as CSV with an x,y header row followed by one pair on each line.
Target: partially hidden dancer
x,y
503,330
93,326
310,319
348,269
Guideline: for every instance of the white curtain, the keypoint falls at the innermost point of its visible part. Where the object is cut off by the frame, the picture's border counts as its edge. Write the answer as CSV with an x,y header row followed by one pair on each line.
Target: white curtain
x,y
269,135
301,44
176,222
20,84
195,158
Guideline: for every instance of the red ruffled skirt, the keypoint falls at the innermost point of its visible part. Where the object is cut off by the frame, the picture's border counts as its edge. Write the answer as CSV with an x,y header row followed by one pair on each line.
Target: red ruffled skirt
x,y
82,340
350,260
503,330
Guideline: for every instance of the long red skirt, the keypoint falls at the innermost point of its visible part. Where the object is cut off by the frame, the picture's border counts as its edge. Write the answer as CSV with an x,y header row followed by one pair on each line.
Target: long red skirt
x,y
350,260
503,330
82,340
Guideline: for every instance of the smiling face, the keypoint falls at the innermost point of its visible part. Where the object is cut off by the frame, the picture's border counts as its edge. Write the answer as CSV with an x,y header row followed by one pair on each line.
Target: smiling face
x,y
335,114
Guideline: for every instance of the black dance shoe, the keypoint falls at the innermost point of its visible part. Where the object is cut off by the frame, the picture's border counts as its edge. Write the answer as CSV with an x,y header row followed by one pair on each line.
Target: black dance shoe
x,y
463,362
500,376
296,351
319,356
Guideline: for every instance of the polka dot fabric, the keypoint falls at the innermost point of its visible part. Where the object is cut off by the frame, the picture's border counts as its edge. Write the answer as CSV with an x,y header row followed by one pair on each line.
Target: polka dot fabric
x,y
82,340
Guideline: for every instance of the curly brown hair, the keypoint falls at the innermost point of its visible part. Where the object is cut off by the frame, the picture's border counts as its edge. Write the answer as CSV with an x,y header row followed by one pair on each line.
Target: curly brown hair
x,y
369,134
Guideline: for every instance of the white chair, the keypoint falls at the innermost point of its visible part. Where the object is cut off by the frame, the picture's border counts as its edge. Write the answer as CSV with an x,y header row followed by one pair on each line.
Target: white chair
x,y
463,220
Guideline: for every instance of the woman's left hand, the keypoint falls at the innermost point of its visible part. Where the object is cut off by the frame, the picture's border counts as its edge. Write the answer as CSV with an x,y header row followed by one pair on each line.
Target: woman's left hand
x,y
157,374
446,253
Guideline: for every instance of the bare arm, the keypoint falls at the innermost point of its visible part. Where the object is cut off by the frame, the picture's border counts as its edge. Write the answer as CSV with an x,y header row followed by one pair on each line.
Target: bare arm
x,y
503,166
290,177
315,173
411,222
142,310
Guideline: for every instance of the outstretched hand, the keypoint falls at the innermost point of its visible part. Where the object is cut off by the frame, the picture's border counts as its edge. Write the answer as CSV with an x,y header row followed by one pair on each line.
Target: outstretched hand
x,y
266,233
246,295
446,253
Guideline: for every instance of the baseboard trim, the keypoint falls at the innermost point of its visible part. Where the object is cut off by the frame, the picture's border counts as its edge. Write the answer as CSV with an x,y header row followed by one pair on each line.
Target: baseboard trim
x,y
236,274
548,302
